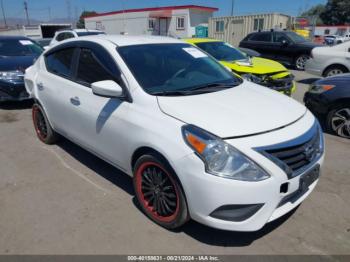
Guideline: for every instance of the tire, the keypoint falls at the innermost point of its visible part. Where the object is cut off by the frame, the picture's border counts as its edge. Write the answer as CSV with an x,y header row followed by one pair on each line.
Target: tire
x,y
159,192
334,70
300,61
42,126
338,121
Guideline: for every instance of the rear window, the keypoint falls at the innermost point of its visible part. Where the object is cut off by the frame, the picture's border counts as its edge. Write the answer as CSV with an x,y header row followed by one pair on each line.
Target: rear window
x,y
90,33
19,47
261,37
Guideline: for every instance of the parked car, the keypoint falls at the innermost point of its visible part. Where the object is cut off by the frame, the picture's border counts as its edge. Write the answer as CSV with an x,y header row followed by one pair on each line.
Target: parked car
x,y
329,61
286,47
72,33
329,99
198,141
333,39
261,71
16,54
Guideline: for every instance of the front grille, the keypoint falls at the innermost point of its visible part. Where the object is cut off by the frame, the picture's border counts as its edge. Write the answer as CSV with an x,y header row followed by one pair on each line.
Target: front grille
x,y
297,155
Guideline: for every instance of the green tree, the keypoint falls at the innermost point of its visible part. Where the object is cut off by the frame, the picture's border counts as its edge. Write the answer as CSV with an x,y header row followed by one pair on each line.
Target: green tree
x,y
336,12
81,22
313,12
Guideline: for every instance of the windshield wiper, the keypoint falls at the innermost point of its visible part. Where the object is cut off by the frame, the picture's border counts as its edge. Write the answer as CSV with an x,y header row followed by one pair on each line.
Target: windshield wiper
x,y
215,86
171,93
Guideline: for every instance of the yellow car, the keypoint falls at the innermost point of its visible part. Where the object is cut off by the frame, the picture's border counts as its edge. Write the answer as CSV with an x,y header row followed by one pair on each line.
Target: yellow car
x,y
262,71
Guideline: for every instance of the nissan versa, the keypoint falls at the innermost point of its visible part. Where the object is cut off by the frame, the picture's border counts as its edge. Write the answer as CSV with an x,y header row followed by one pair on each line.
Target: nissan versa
x,y
259,70
198,141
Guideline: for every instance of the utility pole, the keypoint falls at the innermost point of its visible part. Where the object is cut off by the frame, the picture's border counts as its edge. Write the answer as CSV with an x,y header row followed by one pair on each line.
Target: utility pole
x,y
232,7
26,12
3,13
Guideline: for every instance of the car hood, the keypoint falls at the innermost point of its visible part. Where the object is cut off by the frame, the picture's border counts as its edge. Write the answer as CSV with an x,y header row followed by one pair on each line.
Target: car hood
x,y
8,63
257,65
341,79
240,111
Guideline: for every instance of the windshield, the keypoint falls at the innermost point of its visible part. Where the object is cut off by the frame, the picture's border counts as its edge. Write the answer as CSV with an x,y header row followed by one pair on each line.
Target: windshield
x,y
295,37
163,69
222,51
19,47
90,33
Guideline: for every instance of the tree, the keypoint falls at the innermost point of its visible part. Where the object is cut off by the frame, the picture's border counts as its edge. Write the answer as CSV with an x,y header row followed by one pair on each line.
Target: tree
x,y
315,11
81,22
337,12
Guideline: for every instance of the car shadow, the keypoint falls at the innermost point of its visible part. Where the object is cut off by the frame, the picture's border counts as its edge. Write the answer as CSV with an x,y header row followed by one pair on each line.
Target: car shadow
x,y
308,81
99,166
16,105
193,229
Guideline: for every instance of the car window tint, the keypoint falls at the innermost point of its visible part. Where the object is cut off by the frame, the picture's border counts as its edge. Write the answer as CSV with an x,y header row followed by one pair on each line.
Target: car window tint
x,y
280,37
68,35
90,70
261,37
60,62
60,37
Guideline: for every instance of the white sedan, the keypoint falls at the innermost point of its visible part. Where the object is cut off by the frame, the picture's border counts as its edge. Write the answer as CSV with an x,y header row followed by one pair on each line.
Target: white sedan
x,y
329,60
198,141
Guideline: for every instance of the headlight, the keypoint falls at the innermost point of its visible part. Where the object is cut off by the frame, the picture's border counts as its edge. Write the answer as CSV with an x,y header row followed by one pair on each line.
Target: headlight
x,y
11,75
318,89
220,158
252,78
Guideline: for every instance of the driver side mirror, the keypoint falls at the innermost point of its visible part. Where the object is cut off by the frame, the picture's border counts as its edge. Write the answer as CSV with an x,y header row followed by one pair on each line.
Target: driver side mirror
x,y
107,88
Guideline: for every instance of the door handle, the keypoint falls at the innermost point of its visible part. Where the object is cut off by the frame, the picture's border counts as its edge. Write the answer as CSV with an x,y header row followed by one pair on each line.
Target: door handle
x,y
75,101
40,86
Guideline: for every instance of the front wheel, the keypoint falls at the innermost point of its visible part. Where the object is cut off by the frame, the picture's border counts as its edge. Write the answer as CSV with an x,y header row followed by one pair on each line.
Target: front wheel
x,y
300,61
159,193
338,121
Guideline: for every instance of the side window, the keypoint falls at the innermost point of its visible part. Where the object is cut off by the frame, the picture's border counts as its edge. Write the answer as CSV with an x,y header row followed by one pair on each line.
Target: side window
x,y
90,70
60,62
279,38
261,37
60,37
68,35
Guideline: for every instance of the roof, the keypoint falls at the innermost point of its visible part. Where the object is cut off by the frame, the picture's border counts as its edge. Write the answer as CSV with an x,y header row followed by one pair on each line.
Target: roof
x,y
16,37
126,40
196,7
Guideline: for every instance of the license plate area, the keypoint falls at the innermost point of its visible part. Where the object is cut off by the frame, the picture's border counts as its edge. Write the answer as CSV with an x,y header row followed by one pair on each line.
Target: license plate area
x,y
308,178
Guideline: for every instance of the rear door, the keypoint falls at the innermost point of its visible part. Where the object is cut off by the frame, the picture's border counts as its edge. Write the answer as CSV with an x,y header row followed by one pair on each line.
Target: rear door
x,y
53,83
262,43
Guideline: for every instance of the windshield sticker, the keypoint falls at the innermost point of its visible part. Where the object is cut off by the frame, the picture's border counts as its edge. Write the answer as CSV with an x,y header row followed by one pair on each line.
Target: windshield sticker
x,y
26,42
194,52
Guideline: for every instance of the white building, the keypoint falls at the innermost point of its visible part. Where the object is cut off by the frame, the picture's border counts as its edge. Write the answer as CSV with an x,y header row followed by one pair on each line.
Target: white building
x,y
179,21
332,30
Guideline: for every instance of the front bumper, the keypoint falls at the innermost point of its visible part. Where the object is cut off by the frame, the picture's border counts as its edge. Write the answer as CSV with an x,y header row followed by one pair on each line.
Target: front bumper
x,y
13,91
206,193
316,103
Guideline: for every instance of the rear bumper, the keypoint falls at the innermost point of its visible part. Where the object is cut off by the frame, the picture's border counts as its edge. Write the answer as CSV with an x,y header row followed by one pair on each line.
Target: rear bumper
x,y
13,91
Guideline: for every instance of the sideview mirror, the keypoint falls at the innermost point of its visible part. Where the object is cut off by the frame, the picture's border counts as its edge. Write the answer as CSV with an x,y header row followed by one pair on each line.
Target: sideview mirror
x,y
107,88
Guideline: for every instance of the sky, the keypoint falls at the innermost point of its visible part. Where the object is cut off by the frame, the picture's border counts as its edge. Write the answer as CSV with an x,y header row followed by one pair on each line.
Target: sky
x,y
39,9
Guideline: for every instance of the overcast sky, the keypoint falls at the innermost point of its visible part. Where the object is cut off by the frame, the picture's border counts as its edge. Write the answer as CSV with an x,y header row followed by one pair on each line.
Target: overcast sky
x,y
39,9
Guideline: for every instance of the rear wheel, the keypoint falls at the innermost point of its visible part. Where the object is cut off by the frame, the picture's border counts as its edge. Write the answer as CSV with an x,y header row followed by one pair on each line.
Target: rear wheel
x,y
159,193
338,121
300,61
42,126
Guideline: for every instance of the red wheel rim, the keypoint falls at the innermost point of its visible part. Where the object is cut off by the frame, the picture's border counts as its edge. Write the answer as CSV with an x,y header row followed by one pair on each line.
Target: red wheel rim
x,y
39,123
157,192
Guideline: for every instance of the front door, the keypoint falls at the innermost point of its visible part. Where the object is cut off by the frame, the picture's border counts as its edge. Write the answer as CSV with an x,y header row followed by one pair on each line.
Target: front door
x,y
163,26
